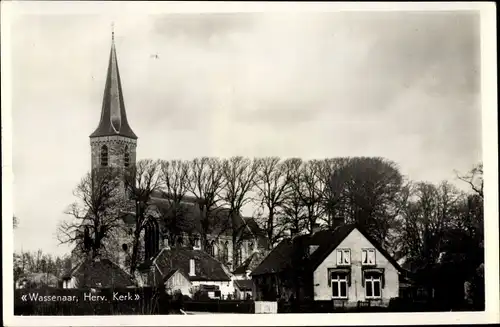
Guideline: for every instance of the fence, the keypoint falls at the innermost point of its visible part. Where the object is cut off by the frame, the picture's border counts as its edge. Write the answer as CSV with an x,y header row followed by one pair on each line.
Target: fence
x,y
266,307
226,306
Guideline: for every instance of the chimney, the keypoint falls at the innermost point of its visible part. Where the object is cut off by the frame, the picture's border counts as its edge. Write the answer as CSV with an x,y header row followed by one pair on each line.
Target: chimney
x,y
166,243
192,267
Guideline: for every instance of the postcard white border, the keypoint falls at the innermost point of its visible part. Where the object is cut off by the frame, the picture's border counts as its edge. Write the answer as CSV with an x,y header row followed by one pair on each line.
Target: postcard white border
x,y
490,160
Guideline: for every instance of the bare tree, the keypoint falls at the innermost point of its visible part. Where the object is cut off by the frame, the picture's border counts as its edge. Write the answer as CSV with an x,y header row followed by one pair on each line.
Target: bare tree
x,y
311,190
205,182
239,174
15,221
272,183
333,190
142,181
174,180
475,179
294,215
96,213
427,215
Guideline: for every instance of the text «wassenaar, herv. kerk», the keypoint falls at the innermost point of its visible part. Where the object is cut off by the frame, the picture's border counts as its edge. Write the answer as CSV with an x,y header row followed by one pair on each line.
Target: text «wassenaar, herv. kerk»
x,y
87,296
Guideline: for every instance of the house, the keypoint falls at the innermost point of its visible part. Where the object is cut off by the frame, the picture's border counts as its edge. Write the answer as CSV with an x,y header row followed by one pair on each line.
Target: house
x,y
344,265
241,275
97,273
188,269
37,280
177,280
243,289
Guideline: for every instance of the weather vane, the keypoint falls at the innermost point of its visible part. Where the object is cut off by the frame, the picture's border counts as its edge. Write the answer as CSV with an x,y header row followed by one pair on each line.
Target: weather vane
x,y
113,31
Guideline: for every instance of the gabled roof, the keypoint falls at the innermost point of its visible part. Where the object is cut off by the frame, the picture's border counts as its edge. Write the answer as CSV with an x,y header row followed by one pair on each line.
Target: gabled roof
x,y
207,268
221,223
249,264
101,273
244,284
277,260
282,257
173,271
113,115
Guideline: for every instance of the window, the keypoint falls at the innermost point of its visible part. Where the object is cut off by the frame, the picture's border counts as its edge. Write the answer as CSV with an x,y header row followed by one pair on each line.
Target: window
x,y
343,257
225,252
373,286
339,285
368,257
197,243
239,255
126,157
212,248
104,156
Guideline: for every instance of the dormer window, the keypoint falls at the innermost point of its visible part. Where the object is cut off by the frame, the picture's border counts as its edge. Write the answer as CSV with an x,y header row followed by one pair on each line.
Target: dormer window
x,y
104,156
126,157
368,257
343,257
197,244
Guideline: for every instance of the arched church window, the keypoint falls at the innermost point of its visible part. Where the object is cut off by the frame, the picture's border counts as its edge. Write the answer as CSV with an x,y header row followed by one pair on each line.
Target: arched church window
x,y
213,249
151,238
126,157
225,253
104,156
239,255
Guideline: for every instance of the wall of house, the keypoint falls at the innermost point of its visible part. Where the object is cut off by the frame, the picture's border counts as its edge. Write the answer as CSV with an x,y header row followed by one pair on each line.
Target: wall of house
x,y
69,283
355,241
226,288
179,282
270,287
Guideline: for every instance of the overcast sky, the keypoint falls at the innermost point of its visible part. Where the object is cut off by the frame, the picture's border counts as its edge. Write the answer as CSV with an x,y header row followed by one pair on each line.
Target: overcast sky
x,y
405,86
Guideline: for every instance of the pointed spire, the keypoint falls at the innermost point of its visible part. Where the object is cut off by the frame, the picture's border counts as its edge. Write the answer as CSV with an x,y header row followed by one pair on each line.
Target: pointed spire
x,y
113,115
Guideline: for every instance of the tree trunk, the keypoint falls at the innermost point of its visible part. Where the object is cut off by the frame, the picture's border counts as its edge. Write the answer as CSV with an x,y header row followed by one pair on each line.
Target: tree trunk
x,y
135,250
270,228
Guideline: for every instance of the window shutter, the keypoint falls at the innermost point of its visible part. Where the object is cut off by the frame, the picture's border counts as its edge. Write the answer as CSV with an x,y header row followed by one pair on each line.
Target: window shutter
x,y
349,278
329,278
382,279
362,279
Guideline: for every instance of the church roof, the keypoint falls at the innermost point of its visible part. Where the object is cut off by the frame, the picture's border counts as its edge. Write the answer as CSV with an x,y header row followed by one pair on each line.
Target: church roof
x,y
250,263
113,115
220,224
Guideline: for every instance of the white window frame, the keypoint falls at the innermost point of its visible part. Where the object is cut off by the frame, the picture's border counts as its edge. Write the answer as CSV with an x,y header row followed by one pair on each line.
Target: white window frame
x,y
335,282
365,254
343,252
371,280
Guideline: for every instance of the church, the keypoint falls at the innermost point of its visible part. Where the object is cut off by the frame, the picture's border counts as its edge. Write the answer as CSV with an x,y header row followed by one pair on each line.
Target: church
x,y
114,144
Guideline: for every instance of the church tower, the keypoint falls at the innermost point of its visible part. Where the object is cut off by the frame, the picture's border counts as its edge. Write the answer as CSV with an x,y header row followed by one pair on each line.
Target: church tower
x,y
113,143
